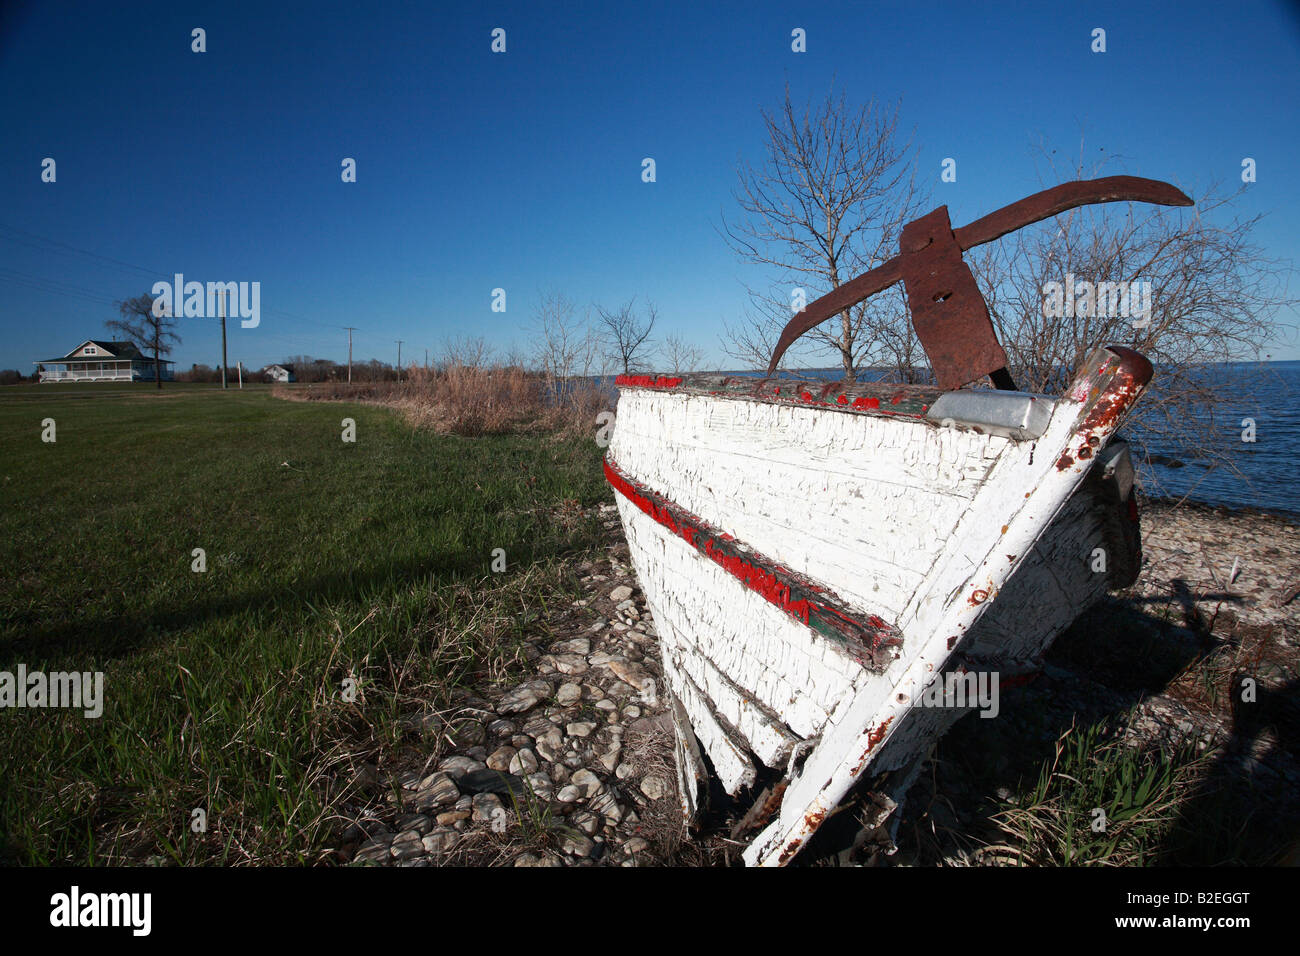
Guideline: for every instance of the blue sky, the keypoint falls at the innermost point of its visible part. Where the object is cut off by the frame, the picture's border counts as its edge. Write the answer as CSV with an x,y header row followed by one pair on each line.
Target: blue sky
x,y
523,170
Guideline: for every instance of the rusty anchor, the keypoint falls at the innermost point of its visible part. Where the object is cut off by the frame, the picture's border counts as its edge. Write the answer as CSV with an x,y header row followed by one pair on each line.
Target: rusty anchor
x,y
948,310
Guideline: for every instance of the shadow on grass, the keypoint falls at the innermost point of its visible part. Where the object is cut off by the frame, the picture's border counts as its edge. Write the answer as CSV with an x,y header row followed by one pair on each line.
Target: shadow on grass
x,y
106,637
1241,807
1244,811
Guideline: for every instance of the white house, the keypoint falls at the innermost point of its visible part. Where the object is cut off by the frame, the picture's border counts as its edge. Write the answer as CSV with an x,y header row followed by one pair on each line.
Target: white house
x,y
279,373
95,361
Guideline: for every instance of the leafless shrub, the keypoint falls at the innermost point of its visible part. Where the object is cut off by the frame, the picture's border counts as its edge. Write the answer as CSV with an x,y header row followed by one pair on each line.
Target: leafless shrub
x,y
460,398
566,351
1213,299
564,345
681,357
466,352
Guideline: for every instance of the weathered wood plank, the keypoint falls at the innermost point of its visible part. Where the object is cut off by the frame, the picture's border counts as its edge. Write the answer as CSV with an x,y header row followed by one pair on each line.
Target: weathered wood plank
x,y
784,664
733,765
769,738
691,772
861,505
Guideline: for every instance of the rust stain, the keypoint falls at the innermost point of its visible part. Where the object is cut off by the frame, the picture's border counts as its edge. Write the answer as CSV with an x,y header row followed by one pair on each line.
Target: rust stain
x,y
771,804
979,596
877,735
1004,528
812,820
1131,374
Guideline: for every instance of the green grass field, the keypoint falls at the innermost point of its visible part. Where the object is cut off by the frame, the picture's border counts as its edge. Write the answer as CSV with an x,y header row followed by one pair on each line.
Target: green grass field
x,y
325,561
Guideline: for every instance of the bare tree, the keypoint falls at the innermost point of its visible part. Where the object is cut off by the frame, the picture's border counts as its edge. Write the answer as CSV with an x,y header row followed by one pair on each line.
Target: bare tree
x,y
147,328
627,334
564,344
306,368
1185,287
827,204
680,355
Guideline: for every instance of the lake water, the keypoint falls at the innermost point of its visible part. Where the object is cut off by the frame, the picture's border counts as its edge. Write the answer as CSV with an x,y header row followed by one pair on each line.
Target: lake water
x,y
1267,393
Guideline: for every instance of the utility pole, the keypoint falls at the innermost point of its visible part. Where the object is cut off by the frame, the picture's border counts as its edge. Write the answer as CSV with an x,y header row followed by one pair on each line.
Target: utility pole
x,y
399,360
350,329
224,297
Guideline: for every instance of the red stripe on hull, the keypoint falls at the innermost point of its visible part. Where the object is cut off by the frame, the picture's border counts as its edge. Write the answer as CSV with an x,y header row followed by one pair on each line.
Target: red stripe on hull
x,y
648,381
869,639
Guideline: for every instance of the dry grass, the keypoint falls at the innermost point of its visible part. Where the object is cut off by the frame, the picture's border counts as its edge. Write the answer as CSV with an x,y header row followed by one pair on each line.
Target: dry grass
x,y
648,746
470,399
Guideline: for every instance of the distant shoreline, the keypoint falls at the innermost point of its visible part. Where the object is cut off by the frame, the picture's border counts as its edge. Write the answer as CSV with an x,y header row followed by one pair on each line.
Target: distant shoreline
x,y
1213,510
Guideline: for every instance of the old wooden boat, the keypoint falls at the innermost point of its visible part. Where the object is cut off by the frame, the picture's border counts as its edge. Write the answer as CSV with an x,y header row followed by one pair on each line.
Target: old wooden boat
x,y
830,565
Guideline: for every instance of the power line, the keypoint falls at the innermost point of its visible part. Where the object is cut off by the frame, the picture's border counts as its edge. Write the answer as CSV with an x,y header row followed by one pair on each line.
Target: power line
x,y
84,252
154,273
44,284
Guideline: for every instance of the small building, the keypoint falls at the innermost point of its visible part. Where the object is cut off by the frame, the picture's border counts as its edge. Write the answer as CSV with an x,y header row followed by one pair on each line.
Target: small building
x,y
279,373
95,361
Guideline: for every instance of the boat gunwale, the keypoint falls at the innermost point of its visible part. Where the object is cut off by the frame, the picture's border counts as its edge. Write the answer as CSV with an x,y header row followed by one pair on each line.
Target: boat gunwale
x,y
877,399
863,398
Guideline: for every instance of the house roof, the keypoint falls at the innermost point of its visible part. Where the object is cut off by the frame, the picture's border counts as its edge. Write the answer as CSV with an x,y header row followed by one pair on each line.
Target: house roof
x,y
287,368
100,358
114,349
118,351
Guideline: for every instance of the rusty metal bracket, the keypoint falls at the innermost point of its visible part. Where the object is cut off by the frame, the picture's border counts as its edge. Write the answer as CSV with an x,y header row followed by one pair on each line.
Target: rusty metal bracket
x,y
948,310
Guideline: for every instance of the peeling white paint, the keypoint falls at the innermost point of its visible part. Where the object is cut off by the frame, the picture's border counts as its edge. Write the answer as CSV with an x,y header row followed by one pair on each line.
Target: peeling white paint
x,y
920,525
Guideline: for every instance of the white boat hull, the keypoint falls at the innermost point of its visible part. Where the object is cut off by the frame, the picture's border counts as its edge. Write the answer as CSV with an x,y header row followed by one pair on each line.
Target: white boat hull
x,y
814,562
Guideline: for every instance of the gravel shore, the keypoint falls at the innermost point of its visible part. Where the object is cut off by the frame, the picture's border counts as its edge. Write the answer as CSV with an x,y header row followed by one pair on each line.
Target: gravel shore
x,y
573,764
1201,655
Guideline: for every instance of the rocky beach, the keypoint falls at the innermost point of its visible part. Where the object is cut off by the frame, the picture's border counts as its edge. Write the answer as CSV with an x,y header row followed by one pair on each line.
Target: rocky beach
x,y
572,765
